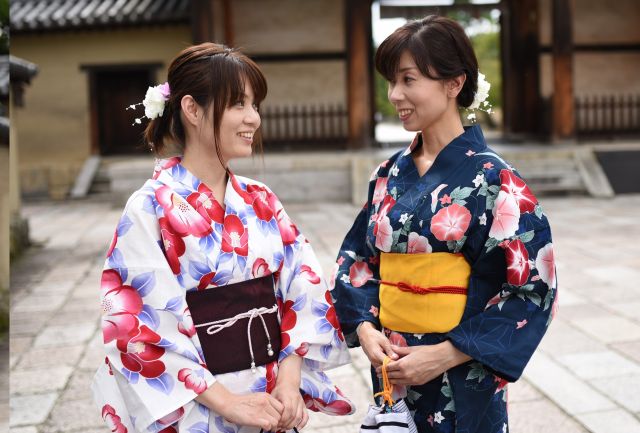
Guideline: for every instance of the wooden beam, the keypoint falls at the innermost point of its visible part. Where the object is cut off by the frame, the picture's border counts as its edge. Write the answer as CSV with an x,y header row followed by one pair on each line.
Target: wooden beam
x,y
520,67
563,120
202,21
229,30
359,77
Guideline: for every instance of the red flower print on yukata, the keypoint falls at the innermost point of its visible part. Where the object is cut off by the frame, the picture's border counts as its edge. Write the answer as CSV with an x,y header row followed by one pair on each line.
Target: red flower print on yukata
x,y
114,240
171,418
302,349
192,380
120,306
173,245
331,315
288,322
384,235
417,244
204,202
359,274
141,354
450,223
183,219
517,263
336,406
513,185
506,217
260,268
545,264
165,164
387,204
259,197
114,422
186,325
308,274
380,190
234,236
271,376
288,230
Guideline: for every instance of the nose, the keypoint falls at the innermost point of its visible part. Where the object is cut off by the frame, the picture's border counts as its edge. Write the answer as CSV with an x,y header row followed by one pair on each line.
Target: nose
x,y
394,93
252,118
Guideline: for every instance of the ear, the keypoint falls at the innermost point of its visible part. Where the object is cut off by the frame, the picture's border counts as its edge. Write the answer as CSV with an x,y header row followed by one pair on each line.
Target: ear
x,y
454,85
190,110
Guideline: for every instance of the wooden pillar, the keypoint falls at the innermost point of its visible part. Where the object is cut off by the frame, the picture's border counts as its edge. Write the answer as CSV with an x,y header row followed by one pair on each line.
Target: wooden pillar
x,y
202,21
563,121
359,77
520,67
229,33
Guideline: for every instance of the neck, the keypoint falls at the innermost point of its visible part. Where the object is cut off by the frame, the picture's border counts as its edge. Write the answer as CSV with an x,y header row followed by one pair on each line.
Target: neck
x,y
205,165
440,133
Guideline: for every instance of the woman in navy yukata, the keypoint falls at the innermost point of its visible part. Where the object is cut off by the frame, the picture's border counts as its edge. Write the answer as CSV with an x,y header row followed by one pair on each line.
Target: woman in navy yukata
x,y
448,269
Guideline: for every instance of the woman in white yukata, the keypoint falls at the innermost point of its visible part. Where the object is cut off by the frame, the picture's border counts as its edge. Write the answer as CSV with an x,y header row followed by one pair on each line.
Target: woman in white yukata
x,y
215,315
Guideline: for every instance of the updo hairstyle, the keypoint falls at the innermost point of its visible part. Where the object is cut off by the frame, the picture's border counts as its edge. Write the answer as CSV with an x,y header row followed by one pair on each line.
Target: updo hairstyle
x,y
440,48
215,76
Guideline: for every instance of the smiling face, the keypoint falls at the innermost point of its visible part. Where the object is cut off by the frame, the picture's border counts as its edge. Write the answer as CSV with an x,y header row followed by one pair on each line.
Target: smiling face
x,y
419,100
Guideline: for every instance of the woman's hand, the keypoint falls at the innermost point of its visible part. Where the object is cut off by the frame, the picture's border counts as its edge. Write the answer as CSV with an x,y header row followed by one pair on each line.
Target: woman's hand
x,y
420,364
287,392
256,410
374,344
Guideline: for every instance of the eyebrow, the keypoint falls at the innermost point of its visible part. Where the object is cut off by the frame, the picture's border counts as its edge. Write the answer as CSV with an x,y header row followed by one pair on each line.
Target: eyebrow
x,y
407,68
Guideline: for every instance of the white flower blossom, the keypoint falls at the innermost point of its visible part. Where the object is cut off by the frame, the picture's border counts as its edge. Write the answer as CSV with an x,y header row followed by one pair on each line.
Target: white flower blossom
x,y
394,170
482,93
403,218
437,417
472,117
478,180
154,102
483,219
345,279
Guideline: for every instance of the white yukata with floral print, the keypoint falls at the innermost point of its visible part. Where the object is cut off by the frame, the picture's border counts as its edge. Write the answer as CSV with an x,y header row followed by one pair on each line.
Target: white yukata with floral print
x,y
174,237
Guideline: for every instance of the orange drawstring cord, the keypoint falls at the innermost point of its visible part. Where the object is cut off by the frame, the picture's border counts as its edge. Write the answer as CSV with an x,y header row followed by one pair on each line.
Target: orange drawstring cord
x,y
387,386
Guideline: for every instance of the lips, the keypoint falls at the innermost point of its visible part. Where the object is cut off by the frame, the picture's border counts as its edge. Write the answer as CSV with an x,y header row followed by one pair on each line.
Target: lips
x,y
404,113
248,135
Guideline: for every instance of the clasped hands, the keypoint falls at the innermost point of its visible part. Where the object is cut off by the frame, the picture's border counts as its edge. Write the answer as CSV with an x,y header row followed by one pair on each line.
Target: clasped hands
x,y
409,365
282,409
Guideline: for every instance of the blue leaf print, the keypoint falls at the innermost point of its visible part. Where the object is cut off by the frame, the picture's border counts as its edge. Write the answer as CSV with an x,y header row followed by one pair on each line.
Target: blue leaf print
x,y
285,352
242,262
319,308
326,350
169,345
288,254
309,388
329,396
163,383
222,277
197,270
199,427
323,377
223,428
225,257
204,410
191,356
174,304
195,183
259,385
144,283
300,302
148,205
180,278
178,172
149,316
182,192
130,375
124,225
277,259
116,262
207,243
273,227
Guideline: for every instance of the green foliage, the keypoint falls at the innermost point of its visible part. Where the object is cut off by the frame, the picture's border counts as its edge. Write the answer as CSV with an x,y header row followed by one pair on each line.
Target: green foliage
x,y
383,106
4,26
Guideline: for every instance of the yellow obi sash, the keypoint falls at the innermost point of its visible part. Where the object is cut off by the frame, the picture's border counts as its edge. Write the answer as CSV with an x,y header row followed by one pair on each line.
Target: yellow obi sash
x,y
422,293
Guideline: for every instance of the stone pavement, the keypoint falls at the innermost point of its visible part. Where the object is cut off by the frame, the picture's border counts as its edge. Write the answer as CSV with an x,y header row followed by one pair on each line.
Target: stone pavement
x,y
585,376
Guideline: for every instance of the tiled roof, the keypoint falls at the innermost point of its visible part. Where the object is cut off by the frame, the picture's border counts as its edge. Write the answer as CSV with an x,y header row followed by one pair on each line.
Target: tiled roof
x,y
43,15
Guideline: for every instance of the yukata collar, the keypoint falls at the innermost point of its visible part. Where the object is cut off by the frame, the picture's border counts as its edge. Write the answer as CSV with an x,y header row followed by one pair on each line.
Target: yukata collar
x,y
171,172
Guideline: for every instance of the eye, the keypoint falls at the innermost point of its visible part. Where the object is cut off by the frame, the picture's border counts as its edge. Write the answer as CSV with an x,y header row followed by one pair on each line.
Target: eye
x,y
255,107
407,79
239,103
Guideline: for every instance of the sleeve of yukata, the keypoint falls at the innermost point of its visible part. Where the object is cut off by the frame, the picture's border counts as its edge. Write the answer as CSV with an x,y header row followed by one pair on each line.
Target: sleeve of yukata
x,y
147,328
356,288
309,325
515,270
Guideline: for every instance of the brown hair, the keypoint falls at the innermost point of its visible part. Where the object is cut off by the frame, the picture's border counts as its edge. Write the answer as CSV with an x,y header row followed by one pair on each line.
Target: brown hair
x,y
215,76
440,48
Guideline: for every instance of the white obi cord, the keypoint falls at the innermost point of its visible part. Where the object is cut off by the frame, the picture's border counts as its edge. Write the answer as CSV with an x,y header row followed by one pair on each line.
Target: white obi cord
x,y
218,325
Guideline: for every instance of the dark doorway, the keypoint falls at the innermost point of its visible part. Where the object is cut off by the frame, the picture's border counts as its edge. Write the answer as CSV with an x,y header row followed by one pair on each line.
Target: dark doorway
x,y
112,89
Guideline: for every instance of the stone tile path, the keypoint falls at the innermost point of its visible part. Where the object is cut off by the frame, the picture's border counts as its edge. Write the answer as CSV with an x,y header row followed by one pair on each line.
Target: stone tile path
x,y
585,376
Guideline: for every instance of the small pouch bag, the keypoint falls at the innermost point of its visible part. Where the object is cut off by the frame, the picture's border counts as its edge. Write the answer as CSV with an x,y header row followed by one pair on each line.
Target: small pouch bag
x,y
390,417
237,324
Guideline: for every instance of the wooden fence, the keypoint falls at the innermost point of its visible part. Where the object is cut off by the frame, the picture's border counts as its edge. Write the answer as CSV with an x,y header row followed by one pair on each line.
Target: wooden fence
x,y
609,115
304,124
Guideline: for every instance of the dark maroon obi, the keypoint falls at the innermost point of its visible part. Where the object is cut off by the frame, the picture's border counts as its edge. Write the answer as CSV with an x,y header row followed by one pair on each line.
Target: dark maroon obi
x,y
237,324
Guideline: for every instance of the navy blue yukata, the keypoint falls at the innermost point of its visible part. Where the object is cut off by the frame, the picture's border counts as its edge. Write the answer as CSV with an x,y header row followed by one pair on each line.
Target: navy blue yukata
x,y
471,202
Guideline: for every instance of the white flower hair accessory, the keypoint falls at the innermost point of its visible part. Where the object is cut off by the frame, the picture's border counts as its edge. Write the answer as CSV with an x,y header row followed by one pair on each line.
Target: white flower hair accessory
x,y
480,99
154,102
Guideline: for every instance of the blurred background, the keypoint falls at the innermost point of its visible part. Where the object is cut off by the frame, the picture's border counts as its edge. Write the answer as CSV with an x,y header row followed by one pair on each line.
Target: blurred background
x,y
565,91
